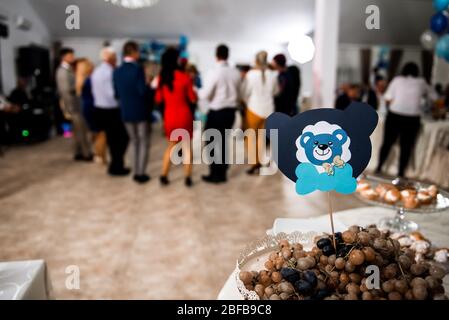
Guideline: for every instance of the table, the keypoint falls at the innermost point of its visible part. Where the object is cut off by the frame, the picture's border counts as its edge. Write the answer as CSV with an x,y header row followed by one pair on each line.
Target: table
x,y
24,280
430,159
434,227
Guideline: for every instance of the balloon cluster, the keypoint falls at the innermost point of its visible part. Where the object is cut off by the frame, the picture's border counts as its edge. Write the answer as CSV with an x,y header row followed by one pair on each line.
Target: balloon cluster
x,y
438,26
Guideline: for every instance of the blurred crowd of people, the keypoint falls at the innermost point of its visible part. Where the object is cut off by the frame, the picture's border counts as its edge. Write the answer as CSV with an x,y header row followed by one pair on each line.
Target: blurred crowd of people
x,y
404,100
110,105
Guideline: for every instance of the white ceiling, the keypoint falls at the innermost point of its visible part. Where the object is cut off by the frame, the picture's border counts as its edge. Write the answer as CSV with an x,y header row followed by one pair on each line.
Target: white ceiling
x,y
272,20
402,21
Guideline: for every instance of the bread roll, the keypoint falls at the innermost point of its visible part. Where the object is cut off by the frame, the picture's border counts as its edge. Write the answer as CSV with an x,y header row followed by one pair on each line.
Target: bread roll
x,y
392,196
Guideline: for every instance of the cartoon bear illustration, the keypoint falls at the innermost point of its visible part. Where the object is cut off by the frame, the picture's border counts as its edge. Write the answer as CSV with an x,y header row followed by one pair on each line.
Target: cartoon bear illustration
x,y
321,143
324,149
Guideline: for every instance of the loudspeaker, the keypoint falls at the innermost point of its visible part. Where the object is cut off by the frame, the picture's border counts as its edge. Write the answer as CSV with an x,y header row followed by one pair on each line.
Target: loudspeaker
x,y
34,61
4,31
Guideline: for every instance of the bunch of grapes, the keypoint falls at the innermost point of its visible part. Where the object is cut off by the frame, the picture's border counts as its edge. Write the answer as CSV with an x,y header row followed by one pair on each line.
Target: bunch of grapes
x,y
335,269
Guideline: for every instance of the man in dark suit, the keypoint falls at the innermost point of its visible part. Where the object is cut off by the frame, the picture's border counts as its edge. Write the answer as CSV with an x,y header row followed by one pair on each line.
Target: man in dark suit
x,y
131,90
289,79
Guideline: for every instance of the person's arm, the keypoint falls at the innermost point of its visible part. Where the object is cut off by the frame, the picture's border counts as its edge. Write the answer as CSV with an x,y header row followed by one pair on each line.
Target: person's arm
x,y
142,82
390,93
63,83
115,84
191,95
158,98
244,91
276,88
429,92
110,88
282,83
208,91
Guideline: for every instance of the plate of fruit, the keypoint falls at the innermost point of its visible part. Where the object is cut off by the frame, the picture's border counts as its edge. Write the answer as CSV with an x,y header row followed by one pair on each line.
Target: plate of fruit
x,y
409,195
307,266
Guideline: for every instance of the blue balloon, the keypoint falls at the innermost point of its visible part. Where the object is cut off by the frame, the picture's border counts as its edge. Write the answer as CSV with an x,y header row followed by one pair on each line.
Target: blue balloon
x,y
183,40
438,23
440,5
442,47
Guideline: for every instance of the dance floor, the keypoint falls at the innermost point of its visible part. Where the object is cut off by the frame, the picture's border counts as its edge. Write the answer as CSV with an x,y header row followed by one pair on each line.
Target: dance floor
x,y
137,241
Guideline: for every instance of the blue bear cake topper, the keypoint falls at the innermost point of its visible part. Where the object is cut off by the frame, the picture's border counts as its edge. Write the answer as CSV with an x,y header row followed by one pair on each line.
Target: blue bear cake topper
x,y
325,149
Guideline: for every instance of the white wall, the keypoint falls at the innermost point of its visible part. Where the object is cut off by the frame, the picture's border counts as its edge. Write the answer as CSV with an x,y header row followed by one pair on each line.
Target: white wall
x,y
401,21
349,66
90,47
38,34
440,73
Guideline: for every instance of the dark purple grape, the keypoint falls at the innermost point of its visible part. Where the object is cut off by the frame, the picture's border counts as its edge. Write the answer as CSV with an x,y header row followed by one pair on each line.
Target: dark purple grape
x,y
303,287
338,237
343,251
310,277
328,250
323,242
290,274
321,294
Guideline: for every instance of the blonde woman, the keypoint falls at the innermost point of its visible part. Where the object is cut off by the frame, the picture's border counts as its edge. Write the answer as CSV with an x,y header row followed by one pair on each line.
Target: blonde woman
x,y
84,69
258,91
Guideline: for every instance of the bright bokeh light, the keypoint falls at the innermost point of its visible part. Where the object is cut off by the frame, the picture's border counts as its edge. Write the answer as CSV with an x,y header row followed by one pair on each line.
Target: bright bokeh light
x,y
301,49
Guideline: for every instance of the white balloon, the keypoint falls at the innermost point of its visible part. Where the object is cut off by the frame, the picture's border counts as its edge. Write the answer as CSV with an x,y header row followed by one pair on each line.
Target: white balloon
x,y
301,49
429,40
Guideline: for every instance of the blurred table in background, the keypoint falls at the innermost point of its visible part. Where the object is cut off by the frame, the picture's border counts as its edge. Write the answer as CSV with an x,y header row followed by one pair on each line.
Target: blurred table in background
x,y
24,280
430,160
433,226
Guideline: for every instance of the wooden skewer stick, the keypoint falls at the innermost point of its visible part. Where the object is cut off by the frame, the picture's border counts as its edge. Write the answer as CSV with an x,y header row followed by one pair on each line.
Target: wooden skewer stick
x,y
331,217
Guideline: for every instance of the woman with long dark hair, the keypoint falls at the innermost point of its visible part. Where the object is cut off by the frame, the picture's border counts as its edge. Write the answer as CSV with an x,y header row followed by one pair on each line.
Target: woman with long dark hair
x,y
175,92
403,98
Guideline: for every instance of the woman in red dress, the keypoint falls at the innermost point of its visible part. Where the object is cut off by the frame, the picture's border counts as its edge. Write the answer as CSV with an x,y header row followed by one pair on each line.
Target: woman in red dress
x,y
175,91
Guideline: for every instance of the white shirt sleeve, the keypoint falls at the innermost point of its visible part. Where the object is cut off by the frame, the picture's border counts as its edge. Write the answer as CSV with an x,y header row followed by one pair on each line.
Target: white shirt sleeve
x,y
391,90
207,92
245,88
429,91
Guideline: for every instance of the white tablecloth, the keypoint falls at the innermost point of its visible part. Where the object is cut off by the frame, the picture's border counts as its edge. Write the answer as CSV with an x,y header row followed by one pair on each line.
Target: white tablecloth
x,y
430,159
434,226
24,280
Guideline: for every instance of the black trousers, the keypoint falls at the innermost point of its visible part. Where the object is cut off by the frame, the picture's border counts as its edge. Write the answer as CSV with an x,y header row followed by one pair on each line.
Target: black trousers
x,y
221,120
110,120
406,129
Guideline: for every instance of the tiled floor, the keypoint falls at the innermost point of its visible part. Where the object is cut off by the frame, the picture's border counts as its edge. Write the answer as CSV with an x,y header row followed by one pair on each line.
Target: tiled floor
x,y
132,241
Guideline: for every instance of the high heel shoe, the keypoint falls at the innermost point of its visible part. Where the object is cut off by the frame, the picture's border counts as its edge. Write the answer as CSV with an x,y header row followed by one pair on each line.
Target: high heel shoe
x,y
254,170
164,180
188,182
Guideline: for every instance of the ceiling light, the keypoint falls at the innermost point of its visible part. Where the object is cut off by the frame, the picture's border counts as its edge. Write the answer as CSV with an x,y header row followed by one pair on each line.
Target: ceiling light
x,y
133,4
301,49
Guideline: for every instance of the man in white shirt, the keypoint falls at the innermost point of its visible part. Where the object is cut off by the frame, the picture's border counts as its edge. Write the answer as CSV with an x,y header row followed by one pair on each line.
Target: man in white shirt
x,y
107,112
221,91
71,105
